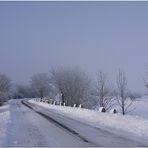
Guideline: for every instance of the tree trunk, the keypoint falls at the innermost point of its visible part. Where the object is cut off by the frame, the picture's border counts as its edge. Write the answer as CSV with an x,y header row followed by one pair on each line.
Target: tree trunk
x,y
63,98
41,94
123,110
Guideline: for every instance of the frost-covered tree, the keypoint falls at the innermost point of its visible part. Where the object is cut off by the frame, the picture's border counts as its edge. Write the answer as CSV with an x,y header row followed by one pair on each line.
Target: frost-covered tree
x,y
22,91
145,79
5,85
123,96
40,84
72,83
103,91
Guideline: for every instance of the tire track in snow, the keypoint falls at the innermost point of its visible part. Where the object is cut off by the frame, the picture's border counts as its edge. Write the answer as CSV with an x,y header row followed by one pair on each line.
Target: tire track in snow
x,y
58,123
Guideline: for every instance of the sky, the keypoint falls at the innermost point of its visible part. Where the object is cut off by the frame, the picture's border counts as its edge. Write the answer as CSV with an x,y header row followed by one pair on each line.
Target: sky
x,y
35,36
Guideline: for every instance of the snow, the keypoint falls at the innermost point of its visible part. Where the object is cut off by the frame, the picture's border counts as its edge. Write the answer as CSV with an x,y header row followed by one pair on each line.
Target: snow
x,y
4,118
128,123
140,107
118,129
101,109
27,128
113,111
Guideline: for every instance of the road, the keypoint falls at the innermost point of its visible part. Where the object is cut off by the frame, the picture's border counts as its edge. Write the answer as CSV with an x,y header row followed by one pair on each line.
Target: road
x,y
32,125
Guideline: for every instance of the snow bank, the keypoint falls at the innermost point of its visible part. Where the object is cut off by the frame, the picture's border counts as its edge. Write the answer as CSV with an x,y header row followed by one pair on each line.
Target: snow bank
x,y
4,117
127,123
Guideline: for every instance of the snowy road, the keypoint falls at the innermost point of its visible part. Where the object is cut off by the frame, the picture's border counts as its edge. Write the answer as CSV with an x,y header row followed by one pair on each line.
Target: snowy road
x,y
42,127
27,128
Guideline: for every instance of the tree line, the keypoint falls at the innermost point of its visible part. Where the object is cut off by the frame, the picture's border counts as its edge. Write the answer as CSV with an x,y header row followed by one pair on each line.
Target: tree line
x,y
74,86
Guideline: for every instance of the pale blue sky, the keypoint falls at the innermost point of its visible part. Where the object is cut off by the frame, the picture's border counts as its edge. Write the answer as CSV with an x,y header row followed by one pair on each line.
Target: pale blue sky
x,y
93,35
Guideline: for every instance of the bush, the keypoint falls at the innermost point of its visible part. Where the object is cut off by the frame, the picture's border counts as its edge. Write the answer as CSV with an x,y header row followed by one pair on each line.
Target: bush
x,y
102,109
113,111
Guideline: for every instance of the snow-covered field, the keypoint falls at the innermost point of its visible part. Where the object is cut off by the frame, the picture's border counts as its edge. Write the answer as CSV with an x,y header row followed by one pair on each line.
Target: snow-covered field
x,y
4,118
140,108
136,123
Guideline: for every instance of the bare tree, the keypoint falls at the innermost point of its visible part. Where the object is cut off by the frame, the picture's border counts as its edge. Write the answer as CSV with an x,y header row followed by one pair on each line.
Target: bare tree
x,y
145,79
72,83
5,85
40,84
123,95
103,91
